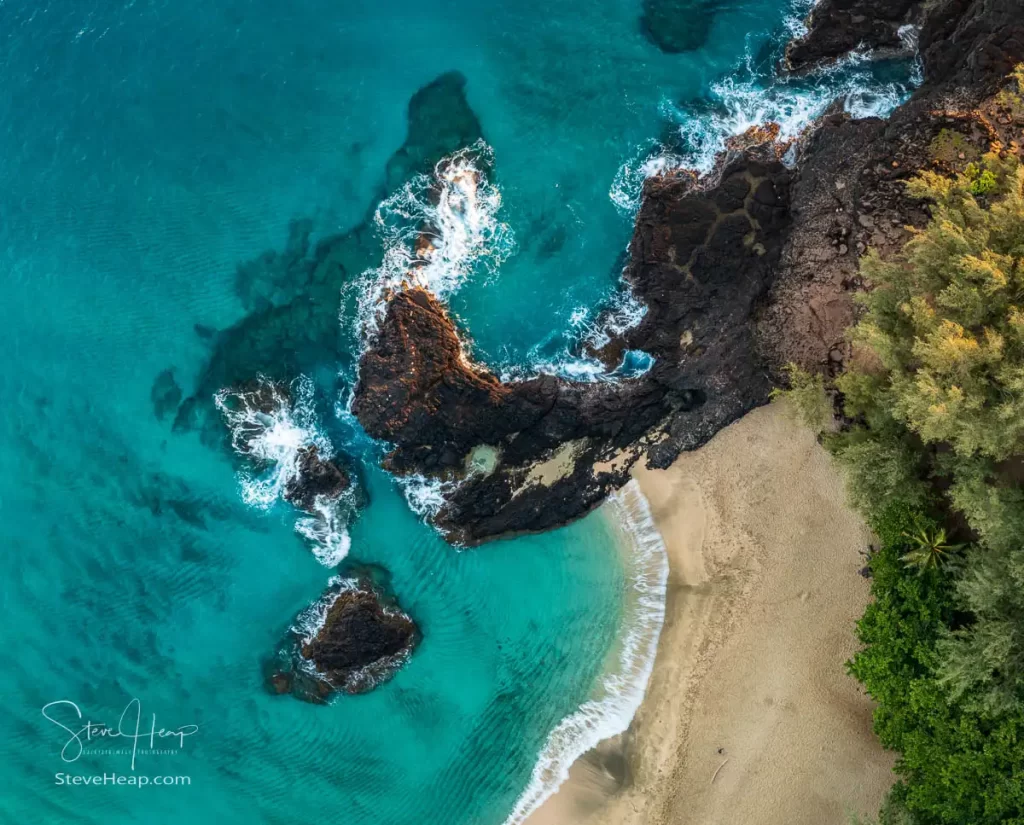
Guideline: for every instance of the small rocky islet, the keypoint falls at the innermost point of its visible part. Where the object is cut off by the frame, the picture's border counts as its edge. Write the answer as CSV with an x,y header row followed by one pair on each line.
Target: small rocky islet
x,y
359,638
742,271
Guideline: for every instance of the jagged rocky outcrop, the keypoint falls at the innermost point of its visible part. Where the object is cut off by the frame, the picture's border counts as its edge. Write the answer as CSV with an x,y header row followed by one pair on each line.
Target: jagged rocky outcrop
x,y
701,259
350,641
317,478
837,27
741,272
251,411
849,194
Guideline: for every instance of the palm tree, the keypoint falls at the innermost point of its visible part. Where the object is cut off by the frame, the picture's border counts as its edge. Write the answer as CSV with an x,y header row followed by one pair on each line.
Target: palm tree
x,y
929,548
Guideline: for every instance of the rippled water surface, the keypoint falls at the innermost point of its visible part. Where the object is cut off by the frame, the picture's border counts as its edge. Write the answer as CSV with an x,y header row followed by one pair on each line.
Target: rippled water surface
x,y
162,167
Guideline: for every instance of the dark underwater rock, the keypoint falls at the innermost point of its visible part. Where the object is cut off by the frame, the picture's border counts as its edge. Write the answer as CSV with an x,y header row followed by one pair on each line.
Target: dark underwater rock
x,y
165,394
677,26
352,640
292,326
837,27
440,122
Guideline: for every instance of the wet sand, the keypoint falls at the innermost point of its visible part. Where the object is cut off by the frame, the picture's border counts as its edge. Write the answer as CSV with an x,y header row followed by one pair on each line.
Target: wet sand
x,y
749,717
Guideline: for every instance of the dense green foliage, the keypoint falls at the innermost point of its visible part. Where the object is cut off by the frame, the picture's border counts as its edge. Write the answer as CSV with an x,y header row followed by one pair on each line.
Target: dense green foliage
x,y
940,388
934,458
959,763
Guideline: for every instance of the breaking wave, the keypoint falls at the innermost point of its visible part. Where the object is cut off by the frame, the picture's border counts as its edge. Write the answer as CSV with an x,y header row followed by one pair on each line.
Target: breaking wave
x,y
311,620
425,496
621,688
326,529
750,96
560,353
271,425
437,231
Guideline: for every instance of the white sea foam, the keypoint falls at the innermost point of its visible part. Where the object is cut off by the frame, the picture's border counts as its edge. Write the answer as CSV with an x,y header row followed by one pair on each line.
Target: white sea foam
x,y
624,312
271,426
745,99
793,103
794,21
650,159
437,231
272,435
621,689
327,529
311,620
425,496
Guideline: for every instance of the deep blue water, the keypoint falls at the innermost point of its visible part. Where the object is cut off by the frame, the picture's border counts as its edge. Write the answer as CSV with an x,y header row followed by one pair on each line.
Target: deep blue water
x,y
147,150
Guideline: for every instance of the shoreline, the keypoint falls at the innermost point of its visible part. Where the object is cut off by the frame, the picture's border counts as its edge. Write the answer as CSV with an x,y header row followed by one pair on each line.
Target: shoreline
x,y
619,690
748,714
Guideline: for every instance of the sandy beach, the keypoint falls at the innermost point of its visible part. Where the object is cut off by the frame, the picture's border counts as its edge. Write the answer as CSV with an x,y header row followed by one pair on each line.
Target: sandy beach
x,y
749,717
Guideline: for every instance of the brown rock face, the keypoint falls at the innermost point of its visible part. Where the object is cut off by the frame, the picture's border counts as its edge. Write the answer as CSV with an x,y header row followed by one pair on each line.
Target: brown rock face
x,y
363,640
837,27
702,259
850,190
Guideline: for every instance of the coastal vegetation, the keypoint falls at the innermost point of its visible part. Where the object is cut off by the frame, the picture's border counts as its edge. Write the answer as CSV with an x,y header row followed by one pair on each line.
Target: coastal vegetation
x,y
932,445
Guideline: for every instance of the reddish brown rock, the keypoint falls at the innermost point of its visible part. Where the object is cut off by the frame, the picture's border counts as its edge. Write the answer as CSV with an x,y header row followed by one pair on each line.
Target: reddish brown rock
x,y
362,639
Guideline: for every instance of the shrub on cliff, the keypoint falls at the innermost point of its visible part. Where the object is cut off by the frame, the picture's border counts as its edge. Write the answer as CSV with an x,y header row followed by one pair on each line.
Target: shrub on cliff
x,y
937,383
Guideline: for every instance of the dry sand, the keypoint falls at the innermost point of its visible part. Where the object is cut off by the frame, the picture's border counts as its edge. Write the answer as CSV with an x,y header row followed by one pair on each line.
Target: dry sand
x,y
749,717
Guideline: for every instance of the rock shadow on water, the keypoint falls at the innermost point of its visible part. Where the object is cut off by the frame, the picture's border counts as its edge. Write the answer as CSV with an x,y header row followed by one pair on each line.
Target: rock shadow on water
x,y
166,395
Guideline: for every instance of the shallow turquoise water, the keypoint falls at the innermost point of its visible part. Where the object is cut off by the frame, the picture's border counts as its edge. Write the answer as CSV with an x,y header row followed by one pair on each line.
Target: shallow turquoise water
x,y
146,149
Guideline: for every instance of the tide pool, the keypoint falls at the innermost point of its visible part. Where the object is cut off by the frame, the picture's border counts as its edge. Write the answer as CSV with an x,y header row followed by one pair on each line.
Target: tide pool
x,y
167,171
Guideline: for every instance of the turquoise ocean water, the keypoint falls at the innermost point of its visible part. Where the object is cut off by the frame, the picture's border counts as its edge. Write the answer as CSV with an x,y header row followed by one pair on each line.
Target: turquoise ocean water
x,y
147,149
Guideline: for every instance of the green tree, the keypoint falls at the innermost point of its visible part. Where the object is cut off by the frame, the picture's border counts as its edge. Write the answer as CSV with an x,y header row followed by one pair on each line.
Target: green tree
x,y
940,393
959,763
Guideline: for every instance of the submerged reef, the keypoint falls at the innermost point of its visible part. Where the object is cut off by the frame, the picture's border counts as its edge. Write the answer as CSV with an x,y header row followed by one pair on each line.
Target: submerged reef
x,y
677,26
292,297
354,638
